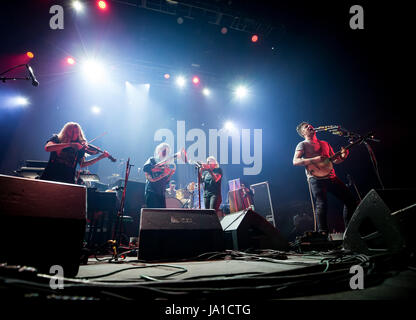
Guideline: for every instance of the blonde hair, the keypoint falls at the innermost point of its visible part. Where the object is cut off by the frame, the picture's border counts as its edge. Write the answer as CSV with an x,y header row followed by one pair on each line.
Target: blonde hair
x,y
215,160
161,147
64,136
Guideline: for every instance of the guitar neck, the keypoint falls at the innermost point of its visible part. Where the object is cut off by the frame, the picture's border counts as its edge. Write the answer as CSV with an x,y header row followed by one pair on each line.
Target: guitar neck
x,y
337,154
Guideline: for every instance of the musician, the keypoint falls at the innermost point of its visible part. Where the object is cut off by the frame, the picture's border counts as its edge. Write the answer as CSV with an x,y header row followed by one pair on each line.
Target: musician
x,y
67,150
211,176
157,177
312,151
171,191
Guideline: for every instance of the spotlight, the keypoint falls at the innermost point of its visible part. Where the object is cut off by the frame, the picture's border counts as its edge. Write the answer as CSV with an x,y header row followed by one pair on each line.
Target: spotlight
x,y
95,110
229,126
206,92
195,80
70,61
166,75
147,86
18,101
93,70
224,30
78,6
254,38
30,55
102,4
241,92
180,81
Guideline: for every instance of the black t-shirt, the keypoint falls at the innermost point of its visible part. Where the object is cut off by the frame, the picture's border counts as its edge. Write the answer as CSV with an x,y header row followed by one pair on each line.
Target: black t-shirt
x,y
208,182
158,187
62,167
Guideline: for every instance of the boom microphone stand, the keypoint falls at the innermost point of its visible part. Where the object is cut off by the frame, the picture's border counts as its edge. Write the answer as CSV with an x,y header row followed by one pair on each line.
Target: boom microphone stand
x,y
368,137
119,220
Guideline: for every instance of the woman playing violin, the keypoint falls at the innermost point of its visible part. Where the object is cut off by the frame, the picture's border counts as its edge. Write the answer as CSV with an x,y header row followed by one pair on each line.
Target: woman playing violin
x,y
157,177
67,150
211,175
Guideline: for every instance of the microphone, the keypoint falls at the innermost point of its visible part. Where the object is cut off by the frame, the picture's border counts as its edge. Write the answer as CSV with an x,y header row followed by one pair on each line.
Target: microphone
x,y
35,82
325,128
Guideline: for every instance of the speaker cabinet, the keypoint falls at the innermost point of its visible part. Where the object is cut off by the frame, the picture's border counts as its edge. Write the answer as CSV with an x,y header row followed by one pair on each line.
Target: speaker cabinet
x,y
383,222
247,229
263,201
168,234
42,223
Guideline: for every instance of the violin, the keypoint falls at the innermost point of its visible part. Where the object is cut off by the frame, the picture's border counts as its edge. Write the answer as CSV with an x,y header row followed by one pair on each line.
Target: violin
x,y
94,149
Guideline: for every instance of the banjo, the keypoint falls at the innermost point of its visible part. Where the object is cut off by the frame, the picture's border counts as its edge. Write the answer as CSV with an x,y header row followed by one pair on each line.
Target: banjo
x,y
324,167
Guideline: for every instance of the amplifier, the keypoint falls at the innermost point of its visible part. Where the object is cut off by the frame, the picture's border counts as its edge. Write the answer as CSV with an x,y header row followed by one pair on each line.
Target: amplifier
x,y
42,223
178,233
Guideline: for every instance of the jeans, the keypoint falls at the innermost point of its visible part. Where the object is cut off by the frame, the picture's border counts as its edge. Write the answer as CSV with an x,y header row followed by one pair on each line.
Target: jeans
x,y
320,188
154,200
212,202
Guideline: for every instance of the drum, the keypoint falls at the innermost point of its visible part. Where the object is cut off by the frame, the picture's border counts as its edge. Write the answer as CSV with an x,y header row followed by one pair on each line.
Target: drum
x,y
173,203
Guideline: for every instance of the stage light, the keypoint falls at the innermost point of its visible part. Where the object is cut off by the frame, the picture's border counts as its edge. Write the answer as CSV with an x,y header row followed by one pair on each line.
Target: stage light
x,y
147,86
78,6
254,38
95,110
93,70
102,4
229,126
241,92
180,81
18,101
206,92
195,80
70,61
166,75
30,55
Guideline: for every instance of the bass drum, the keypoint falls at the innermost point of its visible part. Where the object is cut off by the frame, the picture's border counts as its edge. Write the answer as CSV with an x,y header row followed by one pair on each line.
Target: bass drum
x,y
173,203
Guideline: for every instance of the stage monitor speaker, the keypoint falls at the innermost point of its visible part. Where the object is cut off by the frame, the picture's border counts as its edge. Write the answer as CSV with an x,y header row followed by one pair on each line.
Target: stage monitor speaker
x,y
42,223
167,234
263,201
383,222
249,230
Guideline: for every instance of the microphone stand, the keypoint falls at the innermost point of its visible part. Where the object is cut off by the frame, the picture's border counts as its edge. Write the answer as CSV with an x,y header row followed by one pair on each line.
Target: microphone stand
x,y
4,79
119,220
353,136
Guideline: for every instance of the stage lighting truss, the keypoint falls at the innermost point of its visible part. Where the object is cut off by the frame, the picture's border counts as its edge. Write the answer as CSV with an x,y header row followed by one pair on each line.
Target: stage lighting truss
x,y
213,14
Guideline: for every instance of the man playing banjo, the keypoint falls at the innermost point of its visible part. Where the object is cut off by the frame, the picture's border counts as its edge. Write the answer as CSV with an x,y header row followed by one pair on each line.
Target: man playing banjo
x,y
317,156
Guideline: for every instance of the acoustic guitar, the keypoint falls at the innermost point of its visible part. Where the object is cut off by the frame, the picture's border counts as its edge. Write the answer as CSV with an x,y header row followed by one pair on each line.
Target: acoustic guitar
x,y
324,167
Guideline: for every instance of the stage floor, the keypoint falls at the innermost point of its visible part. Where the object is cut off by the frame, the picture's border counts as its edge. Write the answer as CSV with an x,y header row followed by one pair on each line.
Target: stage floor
x,y
256,274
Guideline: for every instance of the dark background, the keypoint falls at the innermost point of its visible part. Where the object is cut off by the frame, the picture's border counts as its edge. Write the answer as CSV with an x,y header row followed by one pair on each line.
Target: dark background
x,y
311,67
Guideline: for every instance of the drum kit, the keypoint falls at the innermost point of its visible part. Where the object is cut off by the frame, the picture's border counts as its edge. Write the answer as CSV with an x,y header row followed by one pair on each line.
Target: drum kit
x,y
184,198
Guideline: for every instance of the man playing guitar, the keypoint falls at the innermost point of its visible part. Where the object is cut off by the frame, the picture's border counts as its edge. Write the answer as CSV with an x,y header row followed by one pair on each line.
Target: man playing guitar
x,y
317,156
158,174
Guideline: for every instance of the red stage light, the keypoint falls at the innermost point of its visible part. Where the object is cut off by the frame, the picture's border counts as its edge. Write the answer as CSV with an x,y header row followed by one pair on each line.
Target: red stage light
x,y
30,55
102,4
254,38
195,80
70,60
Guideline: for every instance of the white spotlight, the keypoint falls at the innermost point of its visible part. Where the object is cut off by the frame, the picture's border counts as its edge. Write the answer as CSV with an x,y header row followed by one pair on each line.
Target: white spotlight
x,y
95,110
21,101
78,6
93,70
229,126
180,81
206,92
241,92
